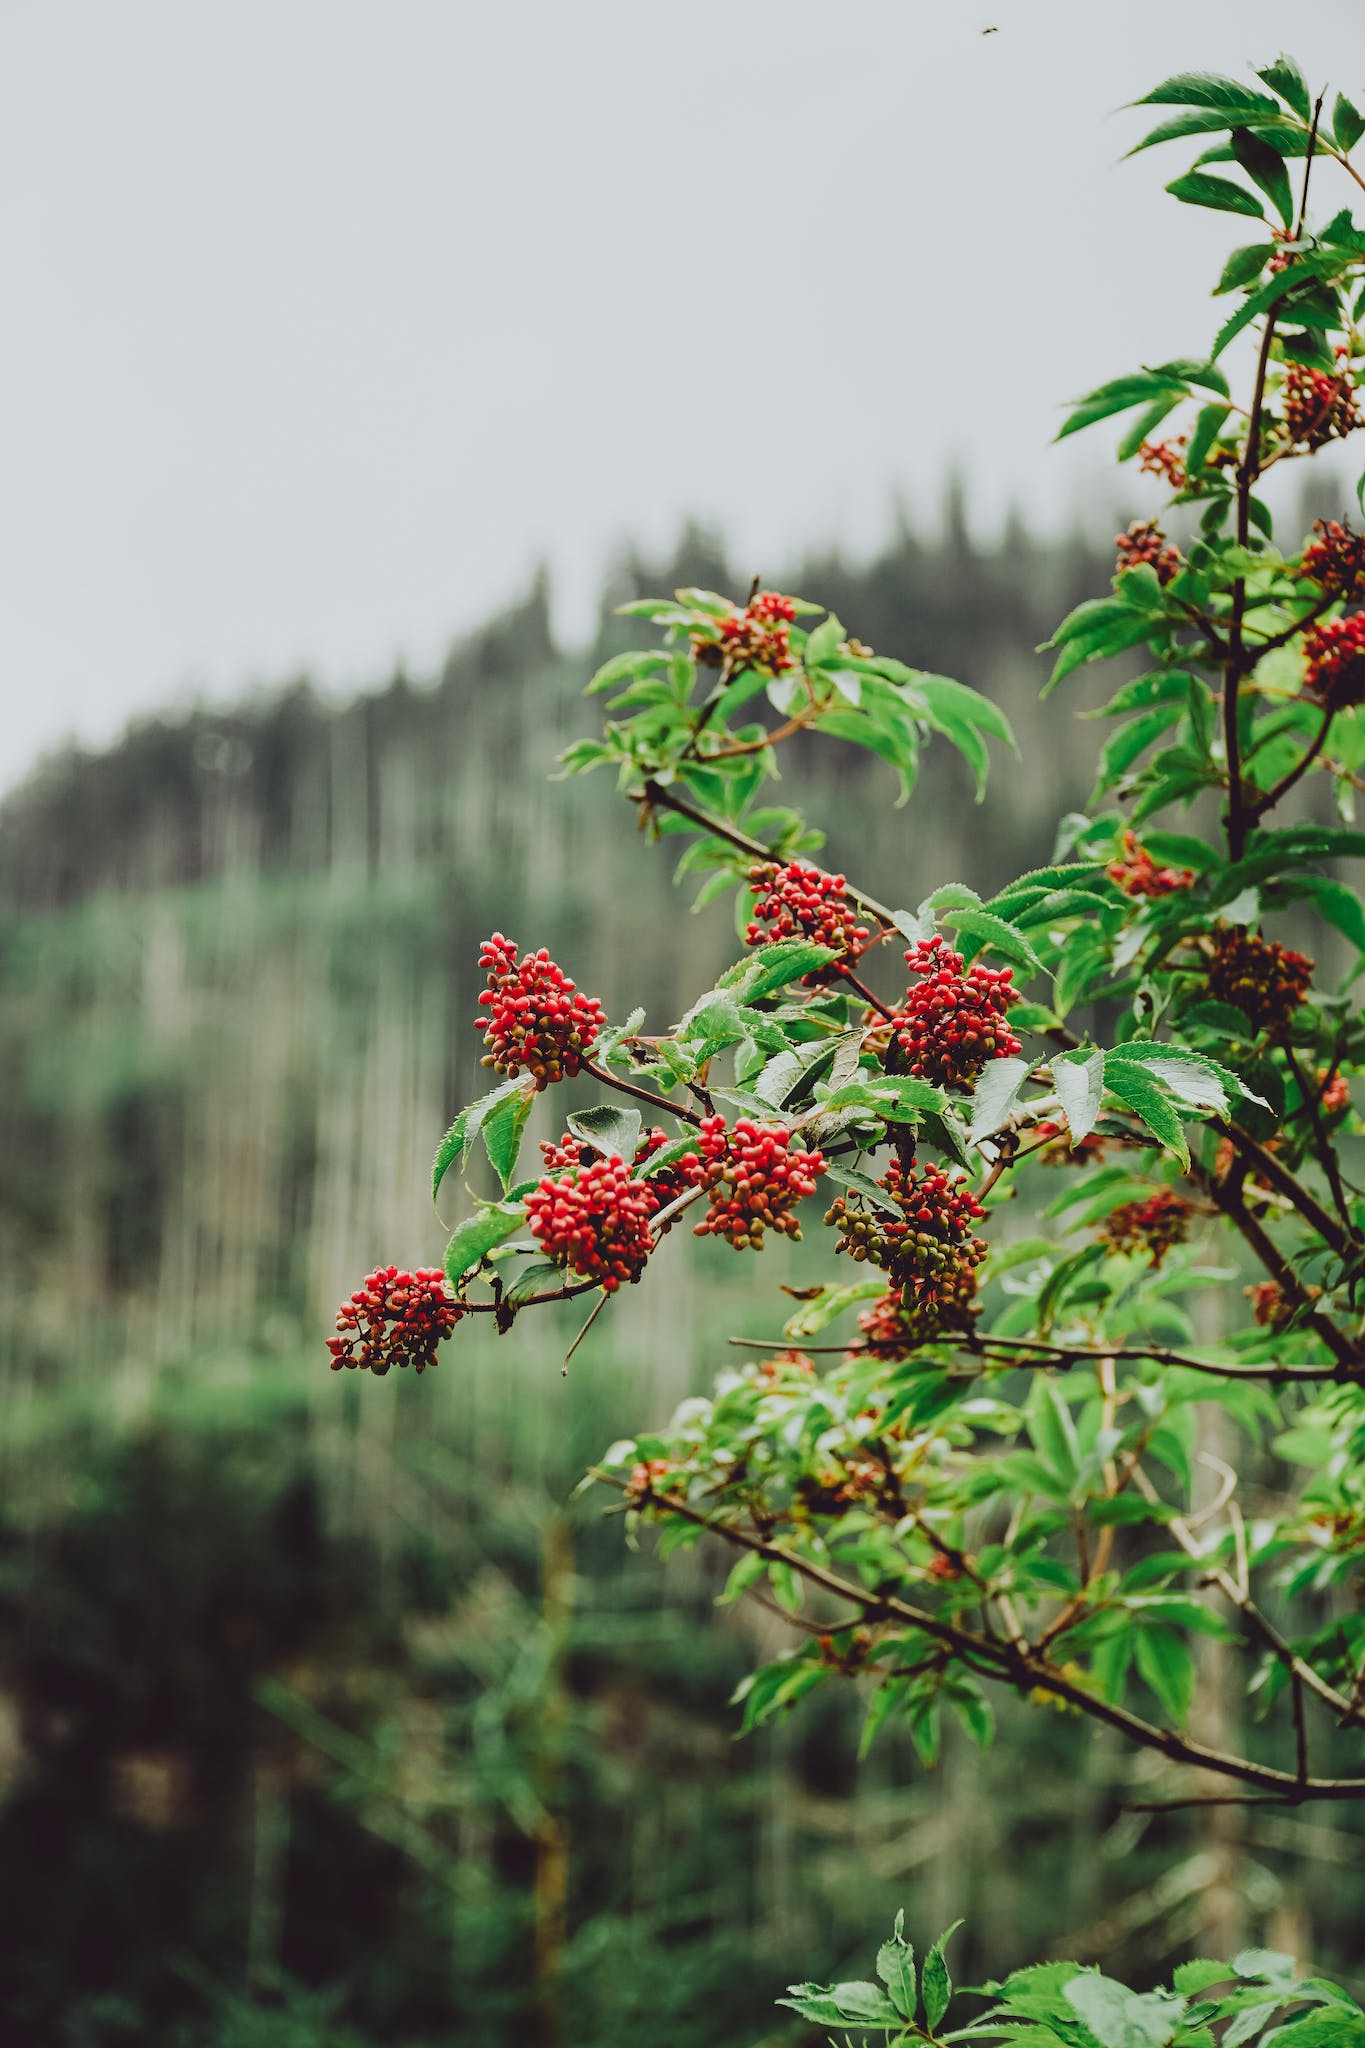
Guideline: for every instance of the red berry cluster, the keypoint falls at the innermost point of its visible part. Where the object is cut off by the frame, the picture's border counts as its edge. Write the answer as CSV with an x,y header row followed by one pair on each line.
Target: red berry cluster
x,y
1263,979
952,1023
1137,874
782,1365
594,1221
537,1021
754,1180
799,902
563,1154
650,1475
1335,561
1335,1098
1318,407
931,1254
1153,1226
1145,542
1165,458
1334,661
757,637
1271,1307
395,1318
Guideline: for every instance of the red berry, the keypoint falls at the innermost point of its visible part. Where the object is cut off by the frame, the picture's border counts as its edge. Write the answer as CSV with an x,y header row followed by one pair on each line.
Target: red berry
x,y
1153,1225
953,1023
1145,542
800,902
537,1021
594,1220
1318,407
1334,657
1137,874
754,1180
1165,458
396,1318
1266,981
1335,561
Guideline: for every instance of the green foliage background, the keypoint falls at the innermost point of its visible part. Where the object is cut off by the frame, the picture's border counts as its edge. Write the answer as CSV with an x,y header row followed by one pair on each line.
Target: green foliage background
x,y
311,1692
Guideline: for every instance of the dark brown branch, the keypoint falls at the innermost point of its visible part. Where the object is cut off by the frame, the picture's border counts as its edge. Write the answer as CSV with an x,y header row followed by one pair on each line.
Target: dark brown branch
x,y
665,799
660,1102
1012,1663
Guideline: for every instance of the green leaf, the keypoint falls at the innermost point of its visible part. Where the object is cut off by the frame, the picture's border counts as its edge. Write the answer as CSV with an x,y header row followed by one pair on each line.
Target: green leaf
x,y
1244,265
785,962
862,1184
1201,188
610,1129
465,1129
502,1132
626,668
997,1091
937,1984
1079,1081
1193,1078
814,1316
1164,1659
1322,2030
477,1235
1208,89
993,931
823,642
1120,2018
1339,904
1139,1092
1142,387
1265,167
1285,78
1348,124
896,1968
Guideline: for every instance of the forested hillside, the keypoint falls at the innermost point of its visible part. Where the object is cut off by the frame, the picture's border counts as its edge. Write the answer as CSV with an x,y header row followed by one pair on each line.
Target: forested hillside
x,y
355,1705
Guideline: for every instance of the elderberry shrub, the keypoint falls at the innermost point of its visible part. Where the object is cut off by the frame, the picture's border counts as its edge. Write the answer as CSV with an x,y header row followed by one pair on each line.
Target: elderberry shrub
x,y
970,1446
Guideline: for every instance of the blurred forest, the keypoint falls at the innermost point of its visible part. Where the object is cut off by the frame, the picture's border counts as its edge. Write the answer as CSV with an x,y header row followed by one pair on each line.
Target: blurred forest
x,y
325,1716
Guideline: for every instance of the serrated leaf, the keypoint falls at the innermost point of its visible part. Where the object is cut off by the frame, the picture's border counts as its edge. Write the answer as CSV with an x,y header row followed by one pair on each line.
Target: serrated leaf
x,y
1202,188
1187,1079
937,1985
990,930
1265,167
784,963
477,1235
1243,266
502,1132
1348,124
1285,78
814,1316
997,1091
1208,89
610,1129
465,1129
1079,1081
1120,2018
896,1968
1139,1092
862,1184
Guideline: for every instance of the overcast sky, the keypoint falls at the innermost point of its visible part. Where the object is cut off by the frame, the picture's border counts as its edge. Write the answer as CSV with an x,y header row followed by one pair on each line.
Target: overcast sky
x,y
327,319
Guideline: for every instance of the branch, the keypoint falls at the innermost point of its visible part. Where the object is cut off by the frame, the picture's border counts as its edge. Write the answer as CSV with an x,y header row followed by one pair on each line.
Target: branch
x,y
665,799
1012,1663
661,1102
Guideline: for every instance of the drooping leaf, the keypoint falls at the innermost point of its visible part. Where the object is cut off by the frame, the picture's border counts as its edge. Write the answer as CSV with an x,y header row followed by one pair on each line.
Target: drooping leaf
x,y
502,1131
997,1091
1079,1081
465,1129
1265,167
1348,123
1285,78
1202,188
1208,89
477,1235
1140,1093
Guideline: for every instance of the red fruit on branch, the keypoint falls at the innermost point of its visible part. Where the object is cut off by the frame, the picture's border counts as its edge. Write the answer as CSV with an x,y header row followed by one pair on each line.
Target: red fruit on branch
x,y
1165,459
952,1023
395,1318
538,1022
757,637
1318,407
1264,980
594,1220
1335,1098
1059,1151
1144,542
1137,874
754,1180
1153,1225
1334,662
931,1253
799,902
1335,561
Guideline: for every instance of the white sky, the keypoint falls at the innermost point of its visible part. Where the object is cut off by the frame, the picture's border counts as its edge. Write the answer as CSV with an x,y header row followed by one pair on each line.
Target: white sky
x,y
325,319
